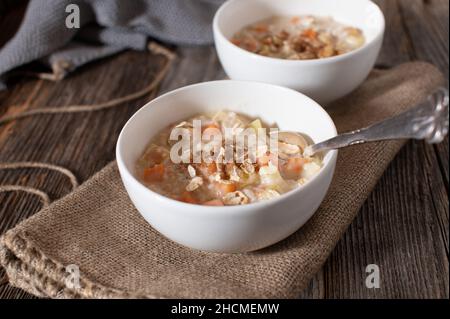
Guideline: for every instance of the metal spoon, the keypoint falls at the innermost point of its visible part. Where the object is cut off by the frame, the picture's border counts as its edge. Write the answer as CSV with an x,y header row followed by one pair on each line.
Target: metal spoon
x,y
428,120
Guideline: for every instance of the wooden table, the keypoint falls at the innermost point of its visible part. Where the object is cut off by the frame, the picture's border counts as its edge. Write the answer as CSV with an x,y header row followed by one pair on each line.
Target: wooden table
x,y
403,227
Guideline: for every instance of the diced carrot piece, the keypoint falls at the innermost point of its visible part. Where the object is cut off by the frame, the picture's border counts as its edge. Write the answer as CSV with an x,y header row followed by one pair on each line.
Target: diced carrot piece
x,y
283,34
214,202
224,188
264,159
211,168
268,40
236,41
261,28
154,156
293,168
154,174
188,198
310,33
211,125
295,20
250,45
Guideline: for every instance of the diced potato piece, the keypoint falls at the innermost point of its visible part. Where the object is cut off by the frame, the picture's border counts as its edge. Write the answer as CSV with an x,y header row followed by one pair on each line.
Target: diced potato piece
x,y
256,124
293,167
309,170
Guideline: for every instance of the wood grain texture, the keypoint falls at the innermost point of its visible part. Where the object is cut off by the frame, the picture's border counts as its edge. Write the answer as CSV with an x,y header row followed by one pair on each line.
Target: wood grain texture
x,y
402,227
427,26
83,143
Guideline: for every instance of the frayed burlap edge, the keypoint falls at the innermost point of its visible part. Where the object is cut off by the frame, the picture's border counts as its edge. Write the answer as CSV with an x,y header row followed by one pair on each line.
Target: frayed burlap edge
x,y
29,269
44,277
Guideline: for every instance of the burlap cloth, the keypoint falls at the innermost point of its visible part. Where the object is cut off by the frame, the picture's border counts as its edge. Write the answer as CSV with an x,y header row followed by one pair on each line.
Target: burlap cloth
x,y
119,255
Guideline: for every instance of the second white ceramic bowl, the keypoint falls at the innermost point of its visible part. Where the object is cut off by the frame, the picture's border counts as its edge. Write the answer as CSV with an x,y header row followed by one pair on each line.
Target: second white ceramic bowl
x,y
324,80
228,228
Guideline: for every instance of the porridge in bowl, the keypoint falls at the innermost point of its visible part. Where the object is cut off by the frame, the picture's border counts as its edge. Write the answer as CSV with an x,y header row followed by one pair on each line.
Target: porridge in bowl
x,y
299,37
224,159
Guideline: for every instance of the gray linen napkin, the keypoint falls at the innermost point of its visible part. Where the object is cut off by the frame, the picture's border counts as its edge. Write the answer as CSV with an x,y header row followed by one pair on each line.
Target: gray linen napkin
x,y
106,27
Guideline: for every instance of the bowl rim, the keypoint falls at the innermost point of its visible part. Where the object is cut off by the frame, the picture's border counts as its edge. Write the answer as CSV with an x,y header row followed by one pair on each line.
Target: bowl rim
x,y
218,33
204,209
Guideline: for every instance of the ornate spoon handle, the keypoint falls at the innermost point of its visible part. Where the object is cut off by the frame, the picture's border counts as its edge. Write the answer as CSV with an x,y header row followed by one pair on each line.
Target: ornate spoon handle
x,y
428,121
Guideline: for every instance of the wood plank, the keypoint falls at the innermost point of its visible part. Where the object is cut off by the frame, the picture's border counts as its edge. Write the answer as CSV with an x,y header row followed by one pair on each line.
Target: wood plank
x,y
9,292
398,230
403,226
194,65
427,24
396,47
83,142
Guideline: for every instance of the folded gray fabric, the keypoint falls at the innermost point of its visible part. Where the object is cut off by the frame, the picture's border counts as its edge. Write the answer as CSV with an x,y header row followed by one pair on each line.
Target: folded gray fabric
x,y
106,27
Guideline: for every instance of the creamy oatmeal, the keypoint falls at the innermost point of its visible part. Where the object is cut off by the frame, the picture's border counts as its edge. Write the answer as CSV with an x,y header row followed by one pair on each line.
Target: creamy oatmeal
x,y
299,37
256,171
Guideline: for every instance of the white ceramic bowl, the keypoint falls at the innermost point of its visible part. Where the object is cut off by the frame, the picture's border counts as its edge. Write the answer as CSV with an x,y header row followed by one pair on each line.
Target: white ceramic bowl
x,y
228,228
324,80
